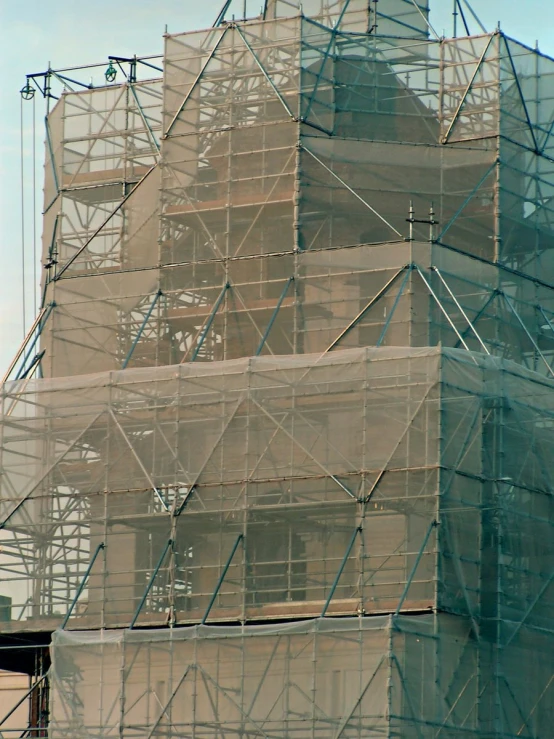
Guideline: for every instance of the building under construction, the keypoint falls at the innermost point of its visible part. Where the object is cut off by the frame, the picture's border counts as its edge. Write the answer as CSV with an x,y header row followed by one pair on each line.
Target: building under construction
x,y
277,452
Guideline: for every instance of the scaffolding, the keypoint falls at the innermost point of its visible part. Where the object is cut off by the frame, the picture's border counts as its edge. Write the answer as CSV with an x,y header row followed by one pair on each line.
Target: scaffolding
x,y
275,451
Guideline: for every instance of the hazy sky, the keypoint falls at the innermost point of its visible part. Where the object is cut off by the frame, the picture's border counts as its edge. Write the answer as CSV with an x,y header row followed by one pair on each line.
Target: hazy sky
x,y
68,33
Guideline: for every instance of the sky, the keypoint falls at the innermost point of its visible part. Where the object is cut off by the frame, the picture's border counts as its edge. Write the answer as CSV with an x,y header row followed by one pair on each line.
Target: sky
x,y
68,33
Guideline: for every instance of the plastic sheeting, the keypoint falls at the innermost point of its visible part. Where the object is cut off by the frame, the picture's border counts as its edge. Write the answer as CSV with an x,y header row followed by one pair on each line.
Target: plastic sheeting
x,y
370,480
284,142
396,676
289,471
304,406
282,452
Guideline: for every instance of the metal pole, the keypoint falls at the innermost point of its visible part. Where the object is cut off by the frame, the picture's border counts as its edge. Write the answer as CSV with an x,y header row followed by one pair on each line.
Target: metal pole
x,y
466,92
221,15
522,97
52,159
361,314
394,306
432,525
222,577
102,225
193,86
348,716
52,248
432,223
41,325
550,326
144,119
474,14
524,327
332,38
168,703
359,197
339,573
462,15
32,366
82,585
425,19
141,329
462,311
466,201
265,74
529,609
23,345
22,699
481,311
273,317
208,324
443,310
190,491
150,583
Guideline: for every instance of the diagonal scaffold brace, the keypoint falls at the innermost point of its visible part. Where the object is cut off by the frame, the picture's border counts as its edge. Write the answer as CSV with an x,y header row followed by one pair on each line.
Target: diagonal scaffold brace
x,y
240,538
82,584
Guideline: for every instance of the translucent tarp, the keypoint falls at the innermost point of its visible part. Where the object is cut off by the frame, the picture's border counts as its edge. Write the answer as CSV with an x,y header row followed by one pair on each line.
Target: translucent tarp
x,y
399,676
309,269
287,471
402,18
284,140
101,143
315,301
280,453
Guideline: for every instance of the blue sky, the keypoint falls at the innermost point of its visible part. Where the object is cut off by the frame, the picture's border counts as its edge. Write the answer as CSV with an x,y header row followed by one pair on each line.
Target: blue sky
x,y
68,33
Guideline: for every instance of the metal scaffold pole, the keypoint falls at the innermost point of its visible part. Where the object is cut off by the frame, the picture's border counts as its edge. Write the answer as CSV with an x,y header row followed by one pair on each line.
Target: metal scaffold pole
x,y
275,454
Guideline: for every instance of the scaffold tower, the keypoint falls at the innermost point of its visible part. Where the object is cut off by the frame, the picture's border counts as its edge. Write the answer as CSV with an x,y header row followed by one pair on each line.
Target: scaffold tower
x,y
274,453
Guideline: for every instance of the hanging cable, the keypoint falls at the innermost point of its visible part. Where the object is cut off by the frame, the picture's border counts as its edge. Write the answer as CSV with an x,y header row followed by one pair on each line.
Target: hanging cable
x,y
22,218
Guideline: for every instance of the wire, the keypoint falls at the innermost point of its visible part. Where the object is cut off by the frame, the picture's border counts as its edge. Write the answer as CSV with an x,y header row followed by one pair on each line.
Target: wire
x,y
22,217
